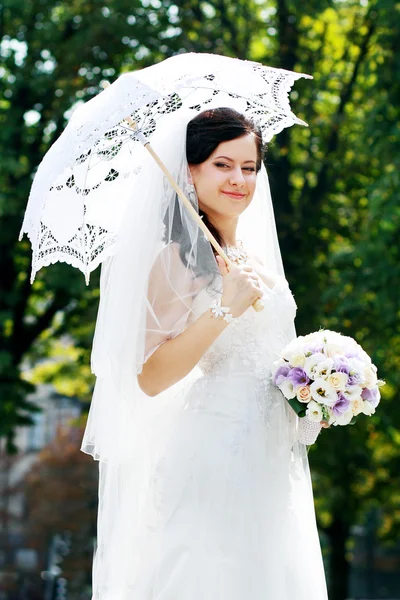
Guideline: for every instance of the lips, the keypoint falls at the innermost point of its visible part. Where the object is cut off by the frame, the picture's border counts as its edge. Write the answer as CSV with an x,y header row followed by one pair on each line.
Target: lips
x,y
234,195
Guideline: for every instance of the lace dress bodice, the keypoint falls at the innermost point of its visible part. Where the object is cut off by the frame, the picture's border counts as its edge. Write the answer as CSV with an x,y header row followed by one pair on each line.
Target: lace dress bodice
x,y
252,342
250,345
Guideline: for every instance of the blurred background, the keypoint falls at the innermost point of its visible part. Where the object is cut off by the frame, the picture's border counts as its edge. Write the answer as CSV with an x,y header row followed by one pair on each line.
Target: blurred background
x,y
335,187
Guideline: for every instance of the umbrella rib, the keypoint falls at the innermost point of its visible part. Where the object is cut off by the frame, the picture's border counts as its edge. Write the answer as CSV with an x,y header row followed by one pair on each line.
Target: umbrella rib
x,y
252,100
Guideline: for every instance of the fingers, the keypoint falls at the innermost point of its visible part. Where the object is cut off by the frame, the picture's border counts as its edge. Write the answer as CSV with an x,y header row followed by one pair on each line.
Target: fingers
x,y
243,274
256,285
254,277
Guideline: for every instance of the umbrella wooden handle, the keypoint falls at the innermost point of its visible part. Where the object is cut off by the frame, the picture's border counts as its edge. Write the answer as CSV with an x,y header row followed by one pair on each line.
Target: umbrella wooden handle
x,y
258,305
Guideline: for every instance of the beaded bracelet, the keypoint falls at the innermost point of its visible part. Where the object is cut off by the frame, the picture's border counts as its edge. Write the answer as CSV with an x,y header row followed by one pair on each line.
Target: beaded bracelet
x,y
221,312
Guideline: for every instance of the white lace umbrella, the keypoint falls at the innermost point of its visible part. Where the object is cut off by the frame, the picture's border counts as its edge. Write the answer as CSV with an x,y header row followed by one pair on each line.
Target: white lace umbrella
x,y
82,185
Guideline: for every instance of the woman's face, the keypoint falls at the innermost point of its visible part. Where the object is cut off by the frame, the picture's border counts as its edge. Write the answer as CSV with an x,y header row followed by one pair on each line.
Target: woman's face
x,y
226,181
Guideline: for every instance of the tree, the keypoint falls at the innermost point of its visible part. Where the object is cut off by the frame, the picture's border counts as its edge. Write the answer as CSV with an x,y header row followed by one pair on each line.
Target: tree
x,y
43,76
61,496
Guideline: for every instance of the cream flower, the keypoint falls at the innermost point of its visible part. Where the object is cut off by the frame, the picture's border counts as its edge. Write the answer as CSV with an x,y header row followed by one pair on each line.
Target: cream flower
x,y
311,363
345,418
357,406
323,392
287,389
311,337
303,393
358,366
314,411
338,380
370,376
352,392
368,409
323,368
293,349
298,360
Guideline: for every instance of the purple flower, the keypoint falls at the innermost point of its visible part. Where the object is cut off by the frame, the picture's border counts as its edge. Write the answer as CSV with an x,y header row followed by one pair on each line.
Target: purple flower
x,y
341,405
281,375
309,349
354,379
298,376
341,365
371,395
353,354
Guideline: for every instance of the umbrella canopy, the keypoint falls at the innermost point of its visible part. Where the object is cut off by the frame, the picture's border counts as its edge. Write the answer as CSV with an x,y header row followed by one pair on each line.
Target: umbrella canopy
x,y
82,186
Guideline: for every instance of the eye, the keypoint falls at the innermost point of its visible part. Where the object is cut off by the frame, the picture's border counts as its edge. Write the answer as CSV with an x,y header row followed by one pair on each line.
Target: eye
x,y
221,164
251,169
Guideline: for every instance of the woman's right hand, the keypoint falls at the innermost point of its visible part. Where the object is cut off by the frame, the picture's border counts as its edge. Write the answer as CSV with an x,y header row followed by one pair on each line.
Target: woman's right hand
x,y
241,287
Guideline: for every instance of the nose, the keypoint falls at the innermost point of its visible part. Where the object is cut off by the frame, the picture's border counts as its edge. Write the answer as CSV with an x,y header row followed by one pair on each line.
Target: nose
x,y
236,177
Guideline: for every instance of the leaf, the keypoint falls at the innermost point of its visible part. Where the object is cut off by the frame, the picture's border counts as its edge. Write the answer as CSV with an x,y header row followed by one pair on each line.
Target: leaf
x,y
298,407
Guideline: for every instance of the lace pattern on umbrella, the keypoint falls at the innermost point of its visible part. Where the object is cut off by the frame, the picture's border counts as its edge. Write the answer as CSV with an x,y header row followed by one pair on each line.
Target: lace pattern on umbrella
x,y
106,157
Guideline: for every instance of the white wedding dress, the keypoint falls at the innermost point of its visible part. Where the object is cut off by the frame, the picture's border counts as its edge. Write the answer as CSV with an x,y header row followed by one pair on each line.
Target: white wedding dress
x,y
229,513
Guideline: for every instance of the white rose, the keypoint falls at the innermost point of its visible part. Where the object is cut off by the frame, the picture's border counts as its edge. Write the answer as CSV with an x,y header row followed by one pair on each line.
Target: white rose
x,y
370,377
338,380
345,418
287,389
323,392
323,368
311,362
314,411
298,360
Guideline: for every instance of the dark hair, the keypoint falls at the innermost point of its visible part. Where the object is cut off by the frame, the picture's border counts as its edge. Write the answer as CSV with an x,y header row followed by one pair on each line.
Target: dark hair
x,y
209,129
205,132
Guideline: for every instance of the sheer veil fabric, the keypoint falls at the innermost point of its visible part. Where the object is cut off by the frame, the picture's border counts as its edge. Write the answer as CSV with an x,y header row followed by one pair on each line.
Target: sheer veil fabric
x,y
146,289
151,289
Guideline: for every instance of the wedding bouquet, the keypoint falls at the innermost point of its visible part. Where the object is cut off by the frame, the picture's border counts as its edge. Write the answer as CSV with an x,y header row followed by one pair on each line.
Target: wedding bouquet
x,y
327,376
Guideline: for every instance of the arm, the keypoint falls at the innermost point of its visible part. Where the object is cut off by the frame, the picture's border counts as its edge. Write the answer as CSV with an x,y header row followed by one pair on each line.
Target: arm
x,y
175,358
168,360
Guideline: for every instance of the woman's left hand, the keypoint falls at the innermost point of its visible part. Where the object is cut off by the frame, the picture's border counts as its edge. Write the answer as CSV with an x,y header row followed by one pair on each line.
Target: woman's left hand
x,y
268,278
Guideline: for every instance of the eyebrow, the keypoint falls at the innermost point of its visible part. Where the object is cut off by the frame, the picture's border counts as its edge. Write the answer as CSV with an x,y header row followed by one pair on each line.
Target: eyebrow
x,y
231,159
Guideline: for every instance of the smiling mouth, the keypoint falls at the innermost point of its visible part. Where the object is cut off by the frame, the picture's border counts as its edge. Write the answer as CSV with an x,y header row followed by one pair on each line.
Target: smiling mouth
x,y
234,195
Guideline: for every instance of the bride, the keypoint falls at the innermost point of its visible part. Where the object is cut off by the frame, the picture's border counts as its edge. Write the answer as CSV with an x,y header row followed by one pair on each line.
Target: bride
x,y
205,490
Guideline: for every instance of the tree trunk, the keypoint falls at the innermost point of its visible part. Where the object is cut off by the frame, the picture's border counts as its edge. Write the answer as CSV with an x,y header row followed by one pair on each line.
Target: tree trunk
x,y
339,568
